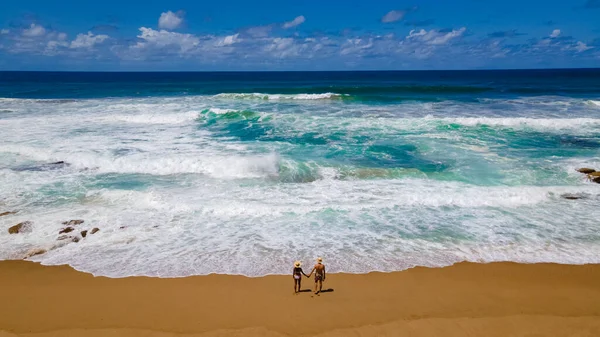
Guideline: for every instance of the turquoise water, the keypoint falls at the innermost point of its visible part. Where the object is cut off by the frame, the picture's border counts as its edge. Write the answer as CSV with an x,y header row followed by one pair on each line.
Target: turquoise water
x,y
197,173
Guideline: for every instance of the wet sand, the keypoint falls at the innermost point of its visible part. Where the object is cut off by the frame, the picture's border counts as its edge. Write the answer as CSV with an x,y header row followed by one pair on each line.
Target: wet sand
x,y
498,299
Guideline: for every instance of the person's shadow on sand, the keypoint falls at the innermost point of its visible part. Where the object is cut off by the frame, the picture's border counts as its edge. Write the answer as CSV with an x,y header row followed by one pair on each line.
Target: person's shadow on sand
x,y
330,290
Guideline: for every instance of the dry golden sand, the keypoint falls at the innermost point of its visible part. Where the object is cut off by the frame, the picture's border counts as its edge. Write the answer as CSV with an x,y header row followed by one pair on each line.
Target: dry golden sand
x,y
498,299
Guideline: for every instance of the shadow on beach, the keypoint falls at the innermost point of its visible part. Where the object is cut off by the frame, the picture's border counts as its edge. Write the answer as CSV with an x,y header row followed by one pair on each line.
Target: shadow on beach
x,y
330,290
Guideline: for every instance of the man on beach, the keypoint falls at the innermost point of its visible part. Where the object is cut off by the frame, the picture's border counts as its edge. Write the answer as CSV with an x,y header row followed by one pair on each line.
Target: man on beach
x,y
319,270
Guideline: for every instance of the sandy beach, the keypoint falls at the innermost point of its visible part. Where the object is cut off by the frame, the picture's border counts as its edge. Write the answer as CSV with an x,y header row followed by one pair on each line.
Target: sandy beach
x,y
498,299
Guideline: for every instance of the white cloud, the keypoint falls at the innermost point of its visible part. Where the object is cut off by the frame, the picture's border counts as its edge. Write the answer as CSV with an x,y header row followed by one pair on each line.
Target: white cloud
x,y
88,40
286,48
393,16
169,20
280,43
434,37
296,22
228,40
354,46
416,33
555,33
258,31
51,46
544,42
581,47
163,38
34,31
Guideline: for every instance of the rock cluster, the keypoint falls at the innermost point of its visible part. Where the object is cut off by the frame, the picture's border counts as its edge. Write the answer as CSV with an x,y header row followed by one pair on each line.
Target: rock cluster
x,y
21,227
66,230
26,226
592,174
70,228
73,222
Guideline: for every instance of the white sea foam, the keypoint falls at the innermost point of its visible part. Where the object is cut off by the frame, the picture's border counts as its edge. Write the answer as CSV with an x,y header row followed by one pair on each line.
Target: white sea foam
x,y
158,118
226,229
197,200
534,123
275,97
593,103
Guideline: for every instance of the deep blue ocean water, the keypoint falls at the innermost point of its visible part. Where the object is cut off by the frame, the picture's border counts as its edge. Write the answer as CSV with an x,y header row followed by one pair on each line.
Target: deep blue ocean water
x,y
195,173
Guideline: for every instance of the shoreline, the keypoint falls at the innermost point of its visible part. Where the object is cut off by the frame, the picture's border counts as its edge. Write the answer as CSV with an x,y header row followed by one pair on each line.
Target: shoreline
x,y
306,266
495,299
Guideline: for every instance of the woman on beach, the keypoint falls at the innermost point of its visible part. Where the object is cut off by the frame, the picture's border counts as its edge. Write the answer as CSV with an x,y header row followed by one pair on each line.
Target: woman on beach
x,y
297,275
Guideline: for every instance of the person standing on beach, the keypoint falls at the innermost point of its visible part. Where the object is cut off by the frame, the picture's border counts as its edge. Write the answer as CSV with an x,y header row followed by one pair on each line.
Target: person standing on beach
x,y
319,270
297,275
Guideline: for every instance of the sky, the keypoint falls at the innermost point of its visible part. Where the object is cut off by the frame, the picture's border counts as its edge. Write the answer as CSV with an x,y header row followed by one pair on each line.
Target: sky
x,y
239,35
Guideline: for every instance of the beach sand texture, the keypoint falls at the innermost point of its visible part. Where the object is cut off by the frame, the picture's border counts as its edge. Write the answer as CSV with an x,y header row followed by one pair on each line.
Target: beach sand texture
x,y
497,299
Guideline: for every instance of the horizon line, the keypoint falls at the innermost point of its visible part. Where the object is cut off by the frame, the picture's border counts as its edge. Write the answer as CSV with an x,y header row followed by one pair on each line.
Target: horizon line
x,y
288,71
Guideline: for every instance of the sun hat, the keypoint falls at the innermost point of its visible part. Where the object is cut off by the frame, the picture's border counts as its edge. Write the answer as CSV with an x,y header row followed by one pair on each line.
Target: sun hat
x,y
297,263
319,259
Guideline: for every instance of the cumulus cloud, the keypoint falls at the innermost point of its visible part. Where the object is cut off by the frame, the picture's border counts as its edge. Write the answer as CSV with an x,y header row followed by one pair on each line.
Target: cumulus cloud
x,y
296,22
151,38
290,48
170,20
269,46
393,16
356,46
228,40
434,37
34,31
88,40
258,31
53,45
581,47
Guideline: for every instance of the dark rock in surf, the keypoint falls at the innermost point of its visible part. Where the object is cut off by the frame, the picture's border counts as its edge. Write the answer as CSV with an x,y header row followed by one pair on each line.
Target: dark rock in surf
x,y
66,230
570,196
7,213
94,231
84,234
43,167
594,174
596,180
73,222
21,227
586,170
68,237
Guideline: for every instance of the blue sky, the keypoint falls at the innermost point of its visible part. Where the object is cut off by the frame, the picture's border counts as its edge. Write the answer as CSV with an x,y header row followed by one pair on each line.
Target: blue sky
x,y
298,35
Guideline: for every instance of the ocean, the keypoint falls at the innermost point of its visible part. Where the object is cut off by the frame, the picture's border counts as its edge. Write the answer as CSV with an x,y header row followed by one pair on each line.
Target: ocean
x,y
244,173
